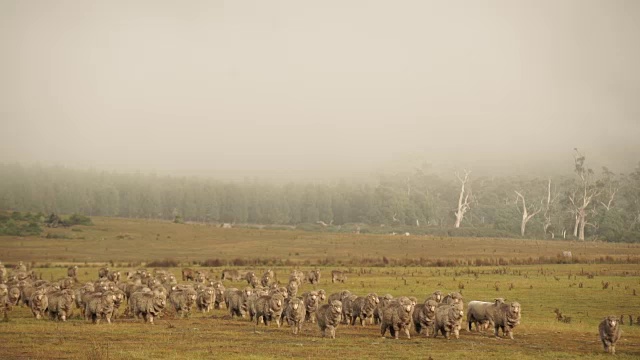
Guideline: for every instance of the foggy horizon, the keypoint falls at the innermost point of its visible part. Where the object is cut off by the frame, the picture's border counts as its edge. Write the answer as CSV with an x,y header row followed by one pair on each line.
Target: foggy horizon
x,y
333,89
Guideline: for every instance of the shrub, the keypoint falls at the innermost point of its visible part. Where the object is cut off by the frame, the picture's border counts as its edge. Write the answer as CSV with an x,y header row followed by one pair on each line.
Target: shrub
x,y
77,219
164,263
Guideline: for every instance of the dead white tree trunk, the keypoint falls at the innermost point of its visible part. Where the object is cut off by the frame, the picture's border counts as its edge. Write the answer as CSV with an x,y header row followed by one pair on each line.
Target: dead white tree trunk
x,y
526,216
581,199
547,209
463,199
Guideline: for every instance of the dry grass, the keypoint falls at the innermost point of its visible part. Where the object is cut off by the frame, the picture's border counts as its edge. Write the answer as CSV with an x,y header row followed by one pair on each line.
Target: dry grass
x,y
539,288
135,241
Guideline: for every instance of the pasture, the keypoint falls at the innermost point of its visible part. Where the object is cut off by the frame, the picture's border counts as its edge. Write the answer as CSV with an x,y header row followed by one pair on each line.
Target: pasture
x,y
528,271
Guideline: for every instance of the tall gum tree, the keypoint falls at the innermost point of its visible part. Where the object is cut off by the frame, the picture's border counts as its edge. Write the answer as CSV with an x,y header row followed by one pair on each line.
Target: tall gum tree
x,y
527,212
463,199
583,194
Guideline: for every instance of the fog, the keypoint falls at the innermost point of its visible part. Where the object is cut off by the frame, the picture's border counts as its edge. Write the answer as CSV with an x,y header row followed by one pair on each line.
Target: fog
x,y
307,89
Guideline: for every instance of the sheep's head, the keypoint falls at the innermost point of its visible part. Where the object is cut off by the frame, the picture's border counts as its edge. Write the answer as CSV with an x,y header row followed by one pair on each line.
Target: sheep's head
x,y
514,308
336,307
431,306
611,322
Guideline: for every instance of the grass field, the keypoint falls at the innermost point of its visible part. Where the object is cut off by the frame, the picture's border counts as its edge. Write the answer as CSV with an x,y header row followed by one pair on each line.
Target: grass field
x,y
539,287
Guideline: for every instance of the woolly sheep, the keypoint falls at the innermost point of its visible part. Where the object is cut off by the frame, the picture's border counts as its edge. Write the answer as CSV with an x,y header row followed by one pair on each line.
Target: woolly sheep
x,y
507,316
99,306
609,330
382,303
337,275
147,304
482,313
363,308
424,316
294,314
328,316
448,319
311,302
205,300
38,302
61,304
269,308
183,300
396,317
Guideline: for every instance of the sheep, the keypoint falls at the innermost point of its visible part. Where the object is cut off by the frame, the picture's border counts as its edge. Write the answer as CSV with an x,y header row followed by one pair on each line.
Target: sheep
x,y
72,271
81,294
339,295
21,267
269,308
266,279
424,316
183,300
201,277
271,274
248,276
313,276
279,290
448,319
233,275
347,308
14,295
609,330
147,304
5,305
482,313
188,274
294,314
227,295
67,283
254,281
436,296
363,308
292,288
3,274
60,304
103,272
117,301
452,298
219,298
98,306
114,276
337,275
397,317
311,302
507,316
329,316
297,275
237,301
26,291
38,302
382,303
205,300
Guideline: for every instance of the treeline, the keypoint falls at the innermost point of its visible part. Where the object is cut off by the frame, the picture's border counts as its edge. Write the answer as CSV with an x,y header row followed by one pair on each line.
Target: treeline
x,y
415,202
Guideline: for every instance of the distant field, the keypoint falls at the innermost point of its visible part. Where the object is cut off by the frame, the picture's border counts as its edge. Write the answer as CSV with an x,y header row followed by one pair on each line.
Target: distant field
x,y
575,289
134,241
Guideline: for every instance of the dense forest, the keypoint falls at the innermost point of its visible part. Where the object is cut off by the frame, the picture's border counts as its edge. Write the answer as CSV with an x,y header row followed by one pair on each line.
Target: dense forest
x,y
582,204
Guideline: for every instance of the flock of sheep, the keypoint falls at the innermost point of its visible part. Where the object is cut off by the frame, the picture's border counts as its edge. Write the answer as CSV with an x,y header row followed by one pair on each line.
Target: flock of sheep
x,y
146,295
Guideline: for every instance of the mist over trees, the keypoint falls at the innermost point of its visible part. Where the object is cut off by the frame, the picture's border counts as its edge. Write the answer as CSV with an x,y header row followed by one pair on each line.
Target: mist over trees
x,y
585,204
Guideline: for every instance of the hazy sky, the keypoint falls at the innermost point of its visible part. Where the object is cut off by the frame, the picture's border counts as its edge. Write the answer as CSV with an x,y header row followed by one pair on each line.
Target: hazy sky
x,y
317,86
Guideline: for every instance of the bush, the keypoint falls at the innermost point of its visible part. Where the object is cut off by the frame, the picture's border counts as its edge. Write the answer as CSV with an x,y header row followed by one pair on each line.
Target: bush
x,y
77,219
164,263
12,228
